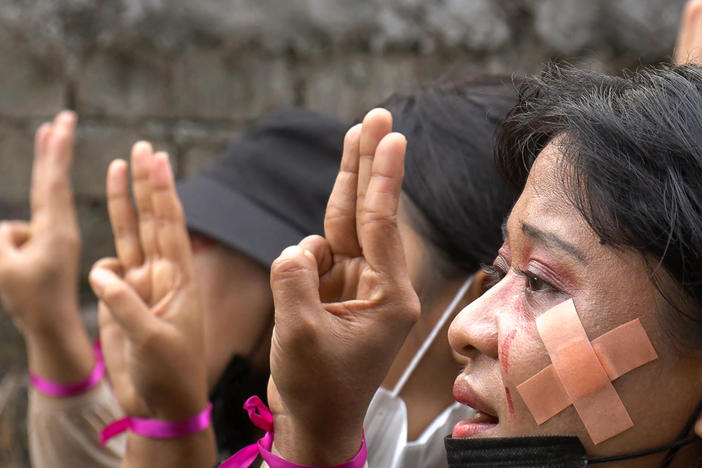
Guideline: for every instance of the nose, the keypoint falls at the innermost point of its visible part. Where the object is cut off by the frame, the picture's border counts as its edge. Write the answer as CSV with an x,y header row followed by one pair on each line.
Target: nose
x,y
474,330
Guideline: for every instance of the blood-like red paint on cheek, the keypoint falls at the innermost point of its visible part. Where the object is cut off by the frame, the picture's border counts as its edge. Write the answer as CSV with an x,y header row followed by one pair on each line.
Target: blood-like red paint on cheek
x,y
506,345
510,403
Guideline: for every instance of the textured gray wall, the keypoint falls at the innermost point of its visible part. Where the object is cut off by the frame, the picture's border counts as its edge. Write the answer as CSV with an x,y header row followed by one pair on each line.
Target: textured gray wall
x,y
191,75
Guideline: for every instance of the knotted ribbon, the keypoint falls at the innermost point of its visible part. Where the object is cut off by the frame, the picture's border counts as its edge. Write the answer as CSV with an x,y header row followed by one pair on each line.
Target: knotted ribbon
x,y
262,418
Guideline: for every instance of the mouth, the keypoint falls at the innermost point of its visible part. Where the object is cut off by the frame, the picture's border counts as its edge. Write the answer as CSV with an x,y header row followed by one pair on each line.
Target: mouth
x,y
480,422
484,419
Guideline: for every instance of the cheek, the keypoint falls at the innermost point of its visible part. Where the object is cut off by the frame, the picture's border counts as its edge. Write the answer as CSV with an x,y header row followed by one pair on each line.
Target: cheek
x,y
520,349
521,356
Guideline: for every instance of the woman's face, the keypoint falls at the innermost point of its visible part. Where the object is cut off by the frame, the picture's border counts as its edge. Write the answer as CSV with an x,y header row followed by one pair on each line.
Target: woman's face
x,y
550,255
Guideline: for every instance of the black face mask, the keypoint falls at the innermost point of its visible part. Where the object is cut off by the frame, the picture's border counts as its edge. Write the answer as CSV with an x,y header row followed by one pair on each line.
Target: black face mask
x,y
549,451
538,452
556,452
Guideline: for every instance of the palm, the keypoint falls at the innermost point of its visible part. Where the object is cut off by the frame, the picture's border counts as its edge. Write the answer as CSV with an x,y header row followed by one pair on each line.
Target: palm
x,y
142,373
147,344
116,347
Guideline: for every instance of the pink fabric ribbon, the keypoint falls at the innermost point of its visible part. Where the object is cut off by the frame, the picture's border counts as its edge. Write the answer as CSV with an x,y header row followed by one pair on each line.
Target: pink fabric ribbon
x,y
158,429
262,418
60,390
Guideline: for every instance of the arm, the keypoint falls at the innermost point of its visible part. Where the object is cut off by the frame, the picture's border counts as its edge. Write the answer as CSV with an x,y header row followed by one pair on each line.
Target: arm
x,y
343,304
39,288
39,263
151,325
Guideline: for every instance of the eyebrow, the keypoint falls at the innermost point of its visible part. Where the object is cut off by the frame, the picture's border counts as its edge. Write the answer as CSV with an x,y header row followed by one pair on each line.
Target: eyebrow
x,y
552,240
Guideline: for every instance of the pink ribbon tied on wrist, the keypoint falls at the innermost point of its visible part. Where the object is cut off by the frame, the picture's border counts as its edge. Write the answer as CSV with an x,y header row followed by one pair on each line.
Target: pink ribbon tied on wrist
x,y
261,417
158,429
63,390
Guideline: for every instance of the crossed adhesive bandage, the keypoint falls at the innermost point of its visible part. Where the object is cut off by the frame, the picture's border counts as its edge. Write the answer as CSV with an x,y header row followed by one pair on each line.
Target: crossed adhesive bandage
x,y
582,372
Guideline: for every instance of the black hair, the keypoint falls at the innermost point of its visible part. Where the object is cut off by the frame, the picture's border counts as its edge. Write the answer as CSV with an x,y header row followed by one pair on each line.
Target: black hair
x,y
635,144
450,175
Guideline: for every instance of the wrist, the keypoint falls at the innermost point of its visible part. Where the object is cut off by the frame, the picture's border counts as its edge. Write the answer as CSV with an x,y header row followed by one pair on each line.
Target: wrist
x,y
179,399
61,357
192,451
316,446
55,322
68,389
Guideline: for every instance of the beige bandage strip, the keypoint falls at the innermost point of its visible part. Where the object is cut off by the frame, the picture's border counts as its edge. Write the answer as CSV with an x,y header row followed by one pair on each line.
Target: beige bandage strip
x,y
581,372
624,349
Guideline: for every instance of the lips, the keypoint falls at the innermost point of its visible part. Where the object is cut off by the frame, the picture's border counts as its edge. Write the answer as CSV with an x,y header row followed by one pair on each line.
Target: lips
x,y
481,422
484,419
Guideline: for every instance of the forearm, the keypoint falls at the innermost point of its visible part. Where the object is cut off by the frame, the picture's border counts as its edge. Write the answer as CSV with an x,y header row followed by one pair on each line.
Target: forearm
x,y
193,451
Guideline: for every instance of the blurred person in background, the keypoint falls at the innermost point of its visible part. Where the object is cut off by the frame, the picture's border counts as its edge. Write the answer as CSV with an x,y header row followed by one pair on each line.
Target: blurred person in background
x,y
688,47
451,193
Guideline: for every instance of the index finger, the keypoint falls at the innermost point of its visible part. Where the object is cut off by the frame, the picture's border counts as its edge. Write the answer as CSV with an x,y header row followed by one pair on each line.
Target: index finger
x,y
51,192
340,215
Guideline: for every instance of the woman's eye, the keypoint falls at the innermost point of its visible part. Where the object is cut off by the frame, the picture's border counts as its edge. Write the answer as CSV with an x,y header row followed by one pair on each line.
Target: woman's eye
x,y
535,284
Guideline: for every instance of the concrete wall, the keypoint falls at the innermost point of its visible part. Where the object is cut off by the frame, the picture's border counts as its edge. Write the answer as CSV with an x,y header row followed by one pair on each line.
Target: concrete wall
x,y
191,75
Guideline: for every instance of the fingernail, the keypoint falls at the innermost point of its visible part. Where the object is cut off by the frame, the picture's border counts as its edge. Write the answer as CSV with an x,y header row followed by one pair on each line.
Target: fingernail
x,y
99,279
291,252
142,147
67,115
309,255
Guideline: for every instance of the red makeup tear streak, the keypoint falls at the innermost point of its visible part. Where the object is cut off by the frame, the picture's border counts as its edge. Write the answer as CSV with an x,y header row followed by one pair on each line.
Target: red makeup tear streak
x,y
506,345
510,403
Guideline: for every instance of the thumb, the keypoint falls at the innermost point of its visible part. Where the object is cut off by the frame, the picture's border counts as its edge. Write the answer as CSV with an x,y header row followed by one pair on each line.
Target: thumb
x,y
295,286
698,427
128,309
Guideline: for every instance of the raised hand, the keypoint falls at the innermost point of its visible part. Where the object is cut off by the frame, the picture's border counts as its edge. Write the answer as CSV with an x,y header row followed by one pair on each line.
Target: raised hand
x,y
39,261
688,48
150,315
343,304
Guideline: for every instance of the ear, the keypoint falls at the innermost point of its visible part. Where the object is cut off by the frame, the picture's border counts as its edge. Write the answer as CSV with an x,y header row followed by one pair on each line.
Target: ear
x,y
479,285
